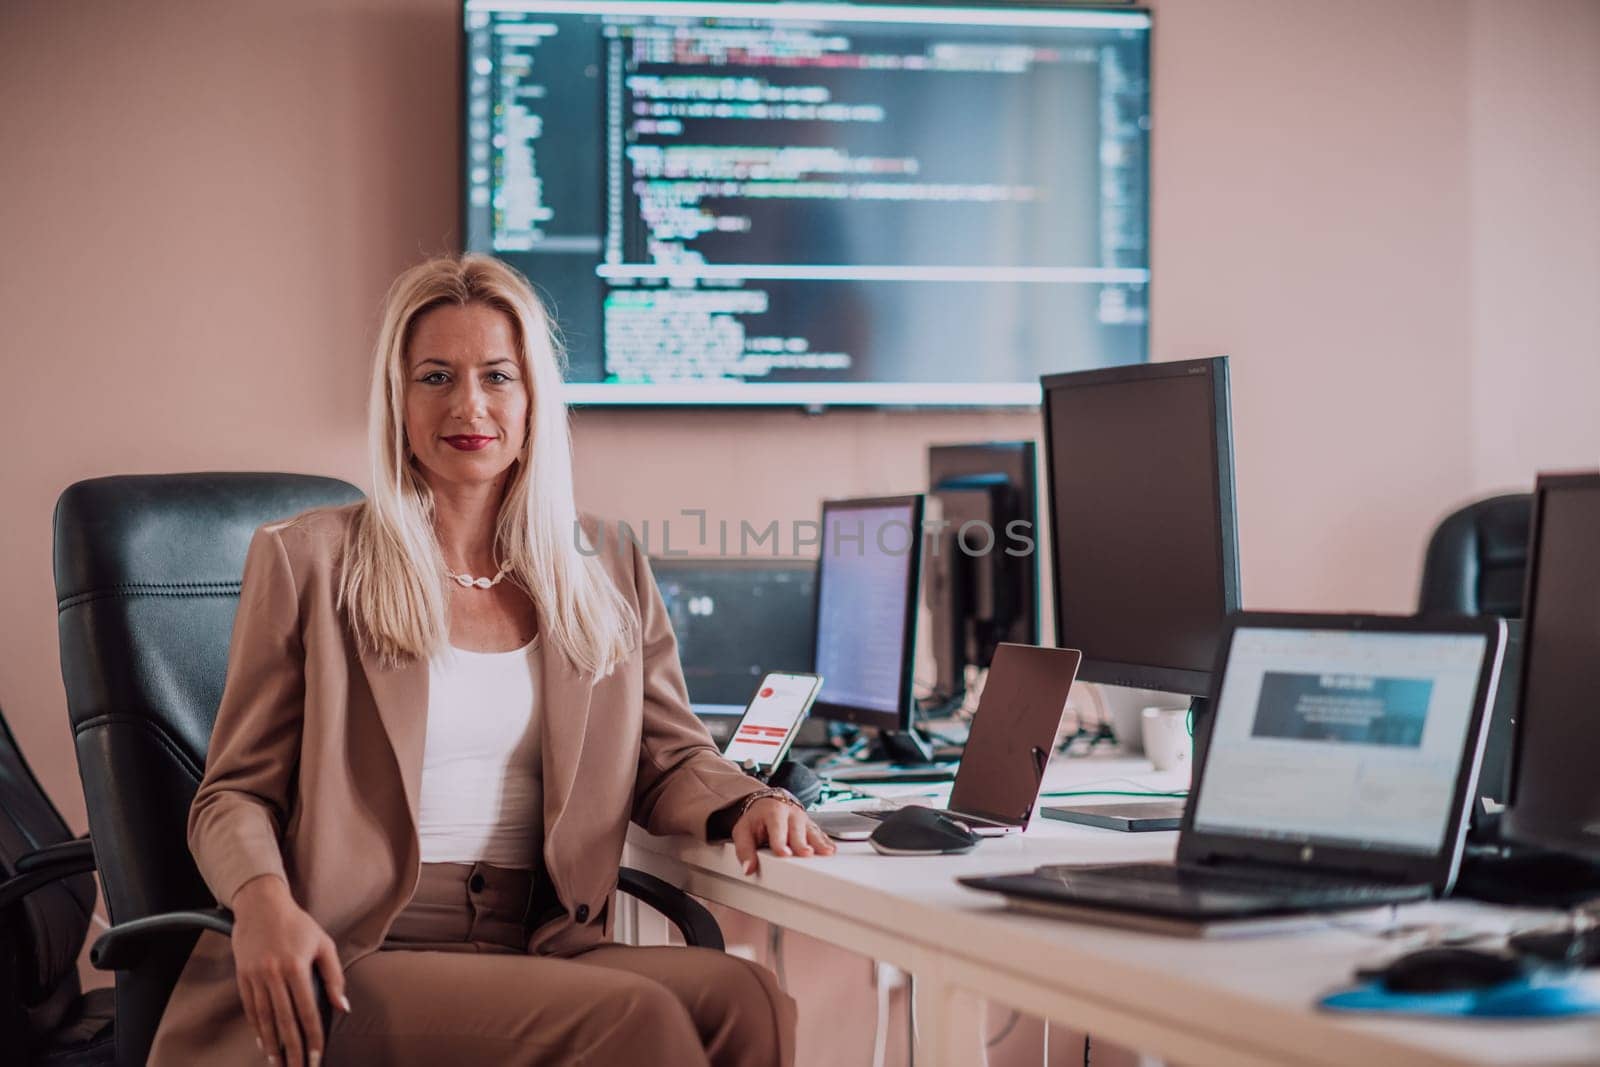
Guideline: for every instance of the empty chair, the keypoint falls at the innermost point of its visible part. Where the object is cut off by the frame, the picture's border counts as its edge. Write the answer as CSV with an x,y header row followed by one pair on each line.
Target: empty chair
x,y
46,903
1477,559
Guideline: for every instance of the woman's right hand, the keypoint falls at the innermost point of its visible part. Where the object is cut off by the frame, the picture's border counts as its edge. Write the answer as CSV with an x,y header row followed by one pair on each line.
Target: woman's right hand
x,y
275,945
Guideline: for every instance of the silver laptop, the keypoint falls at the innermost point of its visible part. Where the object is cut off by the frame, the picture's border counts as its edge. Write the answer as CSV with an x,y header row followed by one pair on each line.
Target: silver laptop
x,y
1008,746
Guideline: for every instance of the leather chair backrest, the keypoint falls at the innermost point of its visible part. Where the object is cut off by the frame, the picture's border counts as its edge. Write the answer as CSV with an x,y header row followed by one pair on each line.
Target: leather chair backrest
x,y
1477,559
147,571
1476,564
45,931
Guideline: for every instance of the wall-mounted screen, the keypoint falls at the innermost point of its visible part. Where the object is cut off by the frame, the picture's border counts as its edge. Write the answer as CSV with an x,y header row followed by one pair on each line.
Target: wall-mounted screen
x,y
816,204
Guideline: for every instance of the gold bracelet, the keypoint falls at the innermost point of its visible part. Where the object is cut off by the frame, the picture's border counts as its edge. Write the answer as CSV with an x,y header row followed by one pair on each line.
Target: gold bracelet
x,y
762,794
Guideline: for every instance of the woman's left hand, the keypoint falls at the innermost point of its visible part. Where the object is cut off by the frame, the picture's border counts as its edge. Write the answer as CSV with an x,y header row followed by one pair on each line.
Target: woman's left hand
x,y
782,827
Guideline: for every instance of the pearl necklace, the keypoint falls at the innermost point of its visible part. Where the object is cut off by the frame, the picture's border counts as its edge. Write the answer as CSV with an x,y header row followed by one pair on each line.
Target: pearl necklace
x,y
467,581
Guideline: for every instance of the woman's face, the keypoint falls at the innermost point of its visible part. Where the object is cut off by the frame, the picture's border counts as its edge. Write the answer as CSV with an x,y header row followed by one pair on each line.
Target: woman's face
x,y
466,401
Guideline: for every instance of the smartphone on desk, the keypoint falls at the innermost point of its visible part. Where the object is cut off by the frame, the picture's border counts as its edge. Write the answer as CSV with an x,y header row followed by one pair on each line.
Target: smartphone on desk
x,y
771,719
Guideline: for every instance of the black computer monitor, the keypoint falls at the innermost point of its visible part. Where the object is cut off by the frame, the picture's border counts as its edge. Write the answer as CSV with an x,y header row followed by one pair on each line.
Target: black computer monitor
x,y
1143,538
1554,803
983,564
735,620
866,633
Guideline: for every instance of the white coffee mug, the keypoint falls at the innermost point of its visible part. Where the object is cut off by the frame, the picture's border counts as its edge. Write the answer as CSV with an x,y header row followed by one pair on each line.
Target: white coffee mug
x,y
1166,737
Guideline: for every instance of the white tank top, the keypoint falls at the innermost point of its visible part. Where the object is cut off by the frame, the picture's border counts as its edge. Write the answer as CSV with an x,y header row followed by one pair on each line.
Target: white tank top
x,y
482,794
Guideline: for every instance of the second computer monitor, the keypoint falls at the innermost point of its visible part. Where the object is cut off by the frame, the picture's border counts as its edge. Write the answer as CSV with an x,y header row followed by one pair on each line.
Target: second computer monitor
x,y
1142,529
735,620
1554,803
983,573
867,575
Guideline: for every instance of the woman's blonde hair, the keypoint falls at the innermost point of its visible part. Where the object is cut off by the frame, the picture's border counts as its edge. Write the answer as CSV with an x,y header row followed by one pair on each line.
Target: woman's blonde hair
x,y
394,575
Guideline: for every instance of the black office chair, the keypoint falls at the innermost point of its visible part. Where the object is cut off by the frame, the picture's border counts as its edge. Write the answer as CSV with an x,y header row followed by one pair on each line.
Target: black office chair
x,y
147,572
1476,563
46,903
1477,559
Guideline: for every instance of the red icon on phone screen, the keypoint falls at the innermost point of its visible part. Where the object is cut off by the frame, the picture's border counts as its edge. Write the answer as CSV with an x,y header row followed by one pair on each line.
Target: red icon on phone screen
x,y
767,691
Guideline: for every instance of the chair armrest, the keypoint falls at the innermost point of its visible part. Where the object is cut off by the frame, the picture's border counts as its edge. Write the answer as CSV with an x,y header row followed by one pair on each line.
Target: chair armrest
x,y
698,926
37,870
39,858
124,946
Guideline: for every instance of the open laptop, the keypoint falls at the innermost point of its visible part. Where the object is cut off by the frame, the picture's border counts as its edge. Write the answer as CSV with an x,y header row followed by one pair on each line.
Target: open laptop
x,y
1341,763
1009,744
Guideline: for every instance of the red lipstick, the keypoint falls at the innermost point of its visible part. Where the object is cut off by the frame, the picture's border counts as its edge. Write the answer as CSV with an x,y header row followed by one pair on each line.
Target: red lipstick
x,y
468,442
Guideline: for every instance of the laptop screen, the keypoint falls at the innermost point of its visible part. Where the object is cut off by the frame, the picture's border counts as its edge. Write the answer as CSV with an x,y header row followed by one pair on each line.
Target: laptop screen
x,y
1349,738
1014,732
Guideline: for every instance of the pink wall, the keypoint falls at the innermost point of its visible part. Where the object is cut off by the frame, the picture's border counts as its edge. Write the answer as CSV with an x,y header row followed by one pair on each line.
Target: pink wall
x,y
1310,198
203,203
1535,218
202,206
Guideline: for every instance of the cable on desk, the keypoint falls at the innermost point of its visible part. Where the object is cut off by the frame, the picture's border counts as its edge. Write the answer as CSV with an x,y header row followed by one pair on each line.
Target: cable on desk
x,y
843,757
1092,788
1174,793
1085,708
938,704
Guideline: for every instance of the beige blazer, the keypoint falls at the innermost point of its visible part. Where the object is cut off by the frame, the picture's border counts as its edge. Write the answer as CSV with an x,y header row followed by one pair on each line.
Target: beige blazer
x,y
316,760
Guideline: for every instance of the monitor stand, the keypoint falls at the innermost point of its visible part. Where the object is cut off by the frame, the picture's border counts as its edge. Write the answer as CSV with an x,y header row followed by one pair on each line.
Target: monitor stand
x,y
1134,815
1511,874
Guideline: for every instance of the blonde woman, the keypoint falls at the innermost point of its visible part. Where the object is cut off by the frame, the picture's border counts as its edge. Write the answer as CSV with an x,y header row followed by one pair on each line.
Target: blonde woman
x,y
442,710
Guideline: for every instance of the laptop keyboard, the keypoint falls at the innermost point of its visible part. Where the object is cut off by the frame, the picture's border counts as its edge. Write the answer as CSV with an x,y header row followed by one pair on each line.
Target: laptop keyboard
x,y
1160,876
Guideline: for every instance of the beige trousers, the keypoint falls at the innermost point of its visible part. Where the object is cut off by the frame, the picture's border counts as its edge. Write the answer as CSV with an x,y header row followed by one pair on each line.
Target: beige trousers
x,y
453,984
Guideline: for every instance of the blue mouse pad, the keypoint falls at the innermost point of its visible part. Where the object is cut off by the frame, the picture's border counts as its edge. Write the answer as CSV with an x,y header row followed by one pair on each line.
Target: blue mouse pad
x,y
1540,995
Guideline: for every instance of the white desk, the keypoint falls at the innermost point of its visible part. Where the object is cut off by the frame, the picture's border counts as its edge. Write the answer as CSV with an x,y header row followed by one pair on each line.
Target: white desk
x,y
1233,1002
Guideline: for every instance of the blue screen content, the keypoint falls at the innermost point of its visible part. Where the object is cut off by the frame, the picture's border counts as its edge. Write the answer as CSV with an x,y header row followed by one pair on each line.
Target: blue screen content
x,y
1356,709
1350,738
864,577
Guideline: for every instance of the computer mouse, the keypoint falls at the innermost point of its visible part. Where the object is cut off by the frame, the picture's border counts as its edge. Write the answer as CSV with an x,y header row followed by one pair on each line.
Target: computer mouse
x,y
1447,969
920,831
